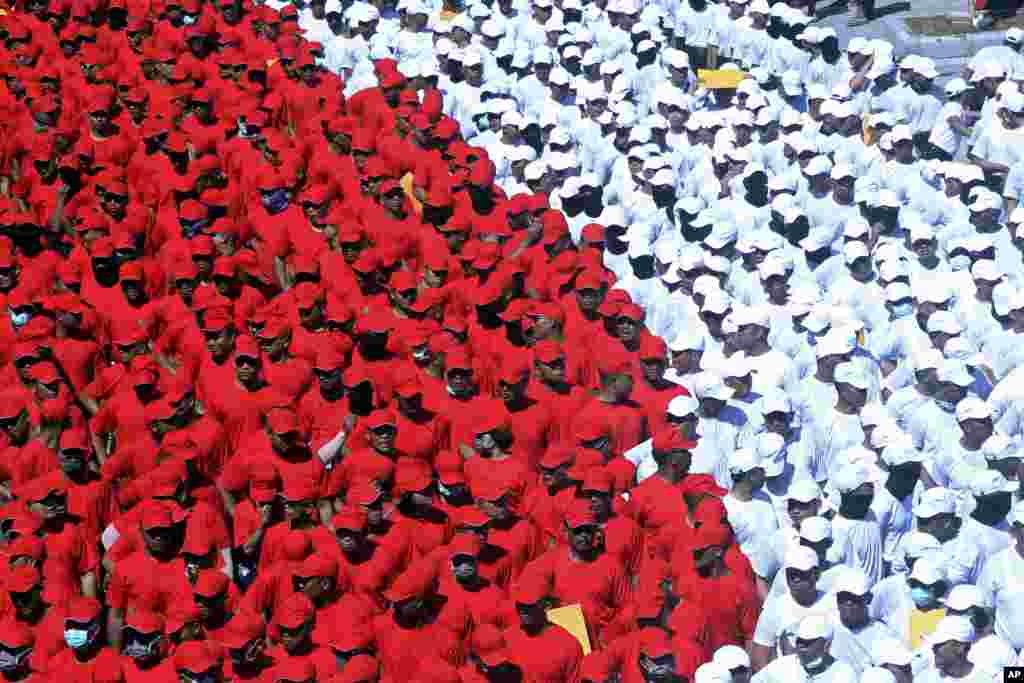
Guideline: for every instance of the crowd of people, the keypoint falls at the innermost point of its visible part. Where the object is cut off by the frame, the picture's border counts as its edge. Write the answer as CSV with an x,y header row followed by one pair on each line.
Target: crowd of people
x,y
344,342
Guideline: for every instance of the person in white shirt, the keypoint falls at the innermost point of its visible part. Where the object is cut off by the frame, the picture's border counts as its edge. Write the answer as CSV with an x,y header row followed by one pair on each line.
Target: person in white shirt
x,y
893,505
949,130
782,613
1002,582
751,513
855,530
967,600
857,634
813,659
950,644
937,515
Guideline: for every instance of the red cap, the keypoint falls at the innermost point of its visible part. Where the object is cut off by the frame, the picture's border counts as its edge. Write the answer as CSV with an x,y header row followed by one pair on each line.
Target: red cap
x,y
411,477
300,488
598,479
712,534
670,439
531,588
547,351
194,656
579,513
349,519
381,418
23,578
557,456
652,348
295,670
294,612
144,621
363,493
632,312
75,438
159,517
243,628
449,468
318,565
211,583
82,609
16,634
414,582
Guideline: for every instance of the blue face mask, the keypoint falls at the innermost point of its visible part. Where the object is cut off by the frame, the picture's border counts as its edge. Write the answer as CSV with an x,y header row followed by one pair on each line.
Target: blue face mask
x,y
20,319
900,311
276,201
76,638
922,598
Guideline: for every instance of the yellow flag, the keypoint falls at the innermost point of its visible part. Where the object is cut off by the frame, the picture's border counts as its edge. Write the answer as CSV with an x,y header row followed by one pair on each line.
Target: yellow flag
x,y
719,79
922,625
571,619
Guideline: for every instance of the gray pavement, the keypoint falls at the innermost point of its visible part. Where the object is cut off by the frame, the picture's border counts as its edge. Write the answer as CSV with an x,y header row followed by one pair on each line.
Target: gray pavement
x,y
949,52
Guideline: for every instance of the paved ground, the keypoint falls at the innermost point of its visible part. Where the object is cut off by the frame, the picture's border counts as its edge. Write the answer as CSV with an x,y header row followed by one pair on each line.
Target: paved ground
x,y
949,52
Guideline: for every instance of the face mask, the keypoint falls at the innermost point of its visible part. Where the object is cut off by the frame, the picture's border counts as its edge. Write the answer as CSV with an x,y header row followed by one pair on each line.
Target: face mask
x,y
814,664
421,355
76,638
901,311
960,262
20,319
137,649
947,406
9,660
922,598
276,201
188,20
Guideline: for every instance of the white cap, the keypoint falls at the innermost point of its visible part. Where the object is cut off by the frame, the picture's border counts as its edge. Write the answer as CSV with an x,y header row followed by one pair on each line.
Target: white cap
x,y
891,651
957,629
957,86
834,343
804,491
687,341
774,401
936,501
722,233
815,530
851,477
998,447
965,596
512,118
973,408
858,45
801,558
711,672
814,627
987,270
986,201
1017,215
852,374
743,460
717,302
856,227
710,385
955,372
901,133
771,452
897,291
1014,102
901,453
535,170
682,406
852,580
1014,36
855,250
731,657
928,570
987,482
819,165
944,321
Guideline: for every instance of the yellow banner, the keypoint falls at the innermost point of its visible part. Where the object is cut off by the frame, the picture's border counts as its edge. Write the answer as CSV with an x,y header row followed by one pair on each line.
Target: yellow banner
x,y
571,619
720,79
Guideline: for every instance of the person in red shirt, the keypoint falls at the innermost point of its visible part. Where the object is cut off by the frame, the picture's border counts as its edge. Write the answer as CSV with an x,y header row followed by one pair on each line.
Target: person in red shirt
x,y
17,646
653,392
564,398
614,406
460,581
217,600
369,565
146,648
196,661
87,655
657,503
529,419
37,610
546,503
728,597
654,656
147,578
594,445
542,650
245,640
294,622
621,535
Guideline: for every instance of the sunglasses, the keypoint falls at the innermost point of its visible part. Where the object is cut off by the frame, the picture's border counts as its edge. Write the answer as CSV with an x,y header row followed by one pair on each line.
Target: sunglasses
x,y
247,361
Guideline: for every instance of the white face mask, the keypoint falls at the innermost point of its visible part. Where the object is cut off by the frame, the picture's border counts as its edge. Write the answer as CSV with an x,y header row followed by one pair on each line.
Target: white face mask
x,y
76,638
20,319
961,262
900,311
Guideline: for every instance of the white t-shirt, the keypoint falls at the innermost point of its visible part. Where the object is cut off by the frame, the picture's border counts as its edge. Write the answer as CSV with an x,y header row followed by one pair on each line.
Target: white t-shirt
x,y
943,136
781,616
1002,580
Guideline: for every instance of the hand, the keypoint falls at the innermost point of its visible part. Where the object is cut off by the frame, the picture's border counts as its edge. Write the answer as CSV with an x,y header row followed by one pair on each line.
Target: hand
x,y
349,423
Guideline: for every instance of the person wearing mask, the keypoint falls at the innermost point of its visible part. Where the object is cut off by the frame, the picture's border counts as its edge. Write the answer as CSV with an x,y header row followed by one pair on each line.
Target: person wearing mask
x,y
782,614
813,658
857,635
856,533
1000,584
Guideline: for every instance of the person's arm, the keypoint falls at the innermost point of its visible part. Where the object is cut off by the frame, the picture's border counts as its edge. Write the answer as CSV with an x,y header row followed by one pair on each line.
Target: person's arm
x,y
115,622
90,585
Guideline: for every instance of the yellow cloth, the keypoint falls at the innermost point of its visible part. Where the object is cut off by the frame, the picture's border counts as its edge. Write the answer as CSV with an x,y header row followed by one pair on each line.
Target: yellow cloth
x,y
571,619
718,79
922,625
448,15
406,183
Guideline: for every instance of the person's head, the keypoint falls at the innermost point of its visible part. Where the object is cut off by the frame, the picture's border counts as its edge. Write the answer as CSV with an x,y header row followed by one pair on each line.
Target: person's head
x,y
803,501
950,644
143,639
853,597
295,619
746,469
813,642
25,590
801,567
927,583
672,452
317,578
851,383
162,530
530,594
